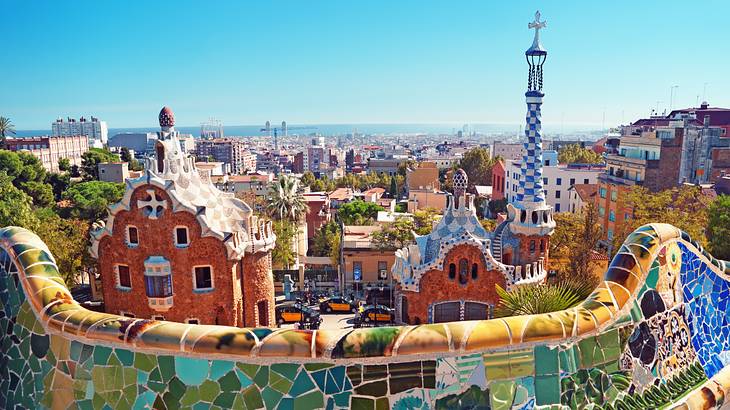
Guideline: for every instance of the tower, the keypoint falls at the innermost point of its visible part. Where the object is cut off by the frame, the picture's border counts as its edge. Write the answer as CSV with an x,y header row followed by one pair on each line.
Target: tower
x,y
530,216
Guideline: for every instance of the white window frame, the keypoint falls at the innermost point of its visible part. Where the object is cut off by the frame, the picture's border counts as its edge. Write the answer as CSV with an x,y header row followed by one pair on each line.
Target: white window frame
x,y
187,236
212,280
117,279
129,243
127,314
187,320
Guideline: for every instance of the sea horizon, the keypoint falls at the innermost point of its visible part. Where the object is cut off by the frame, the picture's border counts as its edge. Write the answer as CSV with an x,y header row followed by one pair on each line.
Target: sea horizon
x,y
367,129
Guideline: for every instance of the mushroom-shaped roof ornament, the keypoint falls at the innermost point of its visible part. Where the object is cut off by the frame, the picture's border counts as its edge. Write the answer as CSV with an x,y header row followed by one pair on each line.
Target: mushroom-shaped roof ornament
x,y
461,182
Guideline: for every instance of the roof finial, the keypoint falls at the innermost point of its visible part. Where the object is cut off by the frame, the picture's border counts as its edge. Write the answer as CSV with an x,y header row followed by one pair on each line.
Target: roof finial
x,y
537,25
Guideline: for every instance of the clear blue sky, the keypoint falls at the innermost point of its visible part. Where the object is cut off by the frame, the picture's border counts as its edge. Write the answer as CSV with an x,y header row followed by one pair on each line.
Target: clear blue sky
x,y
355,62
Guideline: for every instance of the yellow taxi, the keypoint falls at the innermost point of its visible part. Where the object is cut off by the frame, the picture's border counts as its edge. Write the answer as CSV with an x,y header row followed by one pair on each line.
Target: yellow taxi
x,y
337,305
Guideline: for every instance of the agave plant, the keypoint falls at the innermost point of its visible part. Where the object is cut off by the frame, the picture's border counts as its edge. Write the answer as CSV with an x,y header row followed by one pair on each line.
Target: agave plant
x,y
539,298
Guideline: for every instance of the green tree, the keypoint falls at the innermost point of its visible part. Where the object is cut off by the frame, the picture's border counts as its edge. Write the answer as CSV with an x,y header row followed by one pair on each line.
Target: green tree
x,y
684,207
718,227
478,166
359,212
393,187
64,165
286,202
6,129
126,156
68,241
326,241
40,192
89,200
394,235
424,219
307,179
15,205
575,154
283,254
59,183
91,159
575,238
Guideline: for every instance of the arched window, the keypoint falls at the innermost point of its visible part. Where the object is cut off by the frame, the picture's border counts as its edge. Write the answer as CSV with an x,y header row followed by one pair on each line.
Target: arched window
x,y
542,245
532,246
452,271
474,271
463,271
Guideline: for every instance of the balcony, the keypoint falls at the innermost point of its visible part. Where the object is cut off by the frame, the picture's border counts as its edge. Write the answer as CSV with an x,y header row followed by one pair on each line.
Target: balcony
x,y
160,304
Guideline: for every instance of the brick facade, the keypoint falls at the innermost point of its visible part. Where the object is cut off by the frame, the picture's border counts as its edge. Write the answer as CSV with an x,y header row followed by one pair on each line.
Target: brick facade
x,y
223,305
436,286
258,290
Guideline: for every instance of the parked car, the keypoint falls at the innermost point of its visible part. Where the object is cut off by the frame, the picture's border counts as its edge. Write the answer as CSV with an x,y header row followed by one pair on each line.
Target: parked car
x,y
337,305
374,315
296,313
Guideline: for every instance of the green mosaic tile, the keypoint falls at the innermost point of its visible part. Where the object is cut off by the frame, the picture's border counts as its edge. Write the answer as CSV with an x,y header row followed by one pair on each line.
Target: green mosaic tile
x,y
225,399
271,397
502,394
220,367
126,357
287,370
310,401
302,384
209,390
191,396
375,389
145,362
166,364
252,398
547,390
262,377
249,369
191,371
362,403
279,382
229,382
312,367
497,365
522,363
546,360
101,354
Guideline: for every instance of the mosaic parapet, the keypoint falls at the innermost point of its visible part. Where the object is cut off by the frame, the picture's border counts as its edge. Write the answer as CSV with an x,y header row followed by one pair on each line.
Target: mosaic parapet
x,y
659,291
58,311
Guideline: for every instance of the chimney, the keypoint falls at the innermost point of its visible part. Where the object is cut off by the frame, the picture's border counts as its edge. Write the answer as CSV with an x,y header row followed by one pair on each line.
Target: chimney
x,y
706,120
704,105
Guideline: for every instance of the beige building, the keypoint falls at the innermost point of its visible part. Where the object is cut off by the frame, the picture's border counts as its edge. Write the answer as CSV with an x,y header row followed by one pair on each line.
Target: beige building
x,y
581,195
363,265
113,171
426,199
423,177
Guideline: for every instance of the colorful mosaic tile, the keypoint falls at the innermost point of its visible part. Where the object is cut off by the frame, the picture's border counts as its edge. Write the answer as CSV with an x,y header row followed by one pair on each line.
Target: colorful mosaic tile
x,y
649,334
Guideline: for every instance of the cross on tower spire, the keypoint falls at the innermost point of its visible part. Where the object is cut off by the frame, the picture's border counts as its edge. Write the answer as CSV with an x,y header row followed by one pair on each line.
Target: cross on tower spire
x,y
537,25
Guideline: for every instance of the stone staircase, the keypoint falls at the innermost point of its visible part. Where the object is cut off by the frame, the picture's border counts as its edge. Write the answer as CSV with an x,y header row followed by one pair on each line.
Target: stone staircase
x,y
496,247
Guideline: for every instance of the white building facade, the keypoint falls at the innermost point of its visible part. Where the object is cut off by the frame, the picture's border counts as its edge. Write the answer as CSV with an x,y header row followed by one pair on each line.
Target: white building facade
x,y
556,181
94,129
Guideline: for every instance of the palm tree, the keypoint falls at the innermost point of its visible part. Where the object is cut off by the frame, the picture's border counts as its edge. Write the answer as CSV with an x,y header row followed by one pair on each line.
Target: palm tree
x,y
6,128
286,202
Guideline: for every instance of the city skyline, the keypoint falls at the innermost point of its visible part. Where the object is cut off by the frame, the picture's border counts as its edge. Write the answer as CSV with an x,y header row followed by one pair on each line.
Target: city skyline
x,y
362,64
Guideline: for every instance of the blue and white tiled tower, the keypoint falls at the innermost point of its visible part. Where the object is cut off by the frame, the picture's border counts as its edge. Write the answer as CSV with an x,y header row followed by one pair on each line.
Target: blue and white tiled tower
x,y
530,213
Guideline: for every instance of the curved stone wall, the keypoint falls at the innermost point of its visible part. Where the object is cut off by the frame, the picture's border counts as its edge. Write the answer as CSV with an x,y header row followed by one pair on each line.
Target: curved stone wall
x,y
647,337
